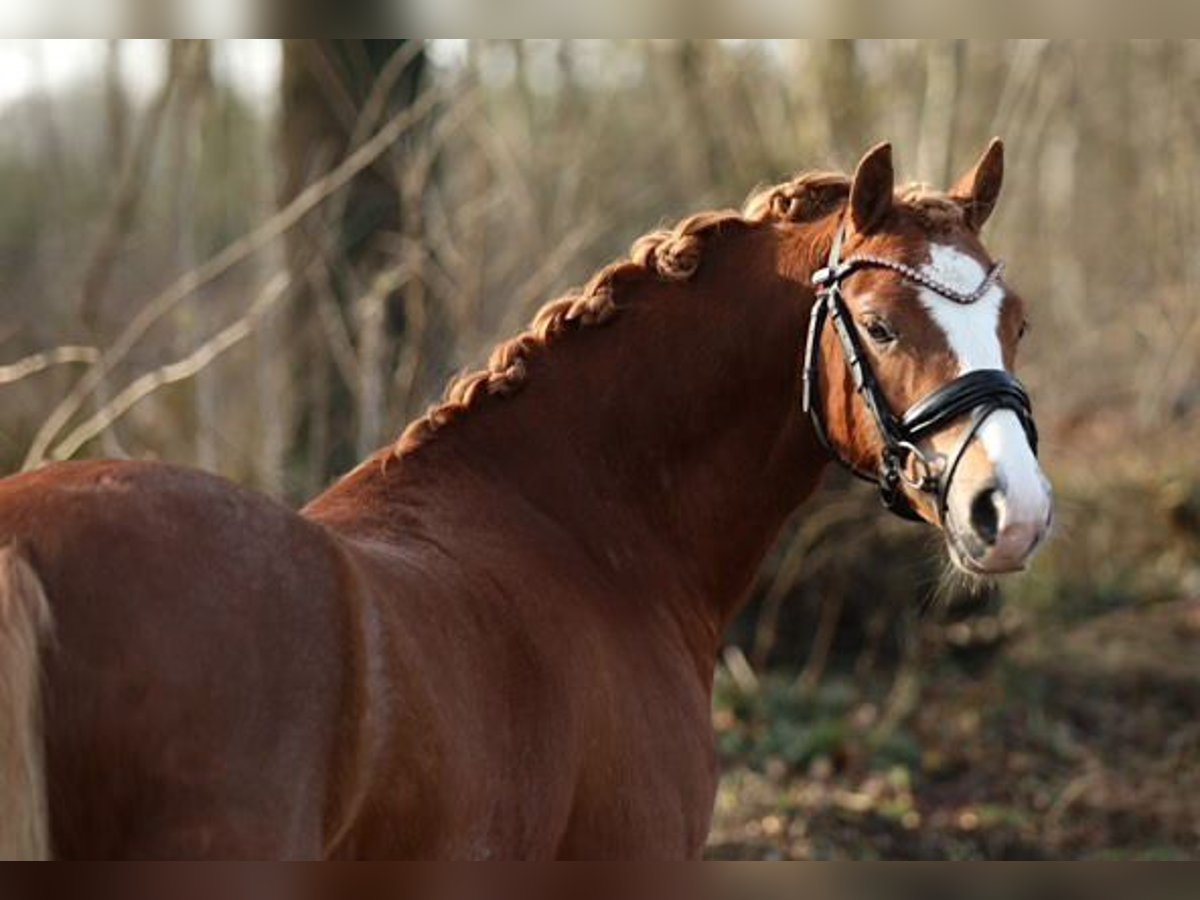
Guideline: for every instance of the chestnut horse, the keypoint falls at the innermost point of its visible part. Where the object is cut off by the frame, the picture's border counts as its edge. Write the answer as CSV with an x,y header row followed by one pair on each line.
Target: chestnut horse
x,y
497,638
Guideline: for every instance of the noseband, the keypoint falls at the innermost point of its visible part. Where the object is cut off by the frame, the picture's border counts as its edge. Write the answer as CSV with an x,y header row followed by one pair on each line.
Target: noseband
x,y
977,394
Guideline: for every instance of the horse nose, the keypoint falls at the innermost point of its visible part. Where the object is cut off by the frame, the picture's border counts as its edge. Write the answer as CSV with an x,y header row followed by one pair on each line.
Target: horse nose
x,y
1000,538
987,510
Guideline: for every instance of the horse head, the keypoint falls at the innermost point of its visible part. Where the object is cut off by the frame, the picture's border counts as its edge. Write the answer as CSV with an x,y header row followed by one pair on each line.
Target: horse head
x,y
908,376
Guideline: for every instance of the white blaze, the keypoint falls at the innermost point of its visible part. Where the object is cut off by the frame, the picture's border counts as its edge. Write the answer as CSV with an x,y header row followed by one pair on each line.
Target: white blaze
x,y
973,333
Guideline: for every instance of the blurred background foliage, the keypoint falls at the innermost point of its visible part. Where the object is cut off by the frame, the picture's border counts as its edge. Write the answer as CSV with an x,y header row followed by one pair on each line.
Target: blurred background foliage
x,y
867,705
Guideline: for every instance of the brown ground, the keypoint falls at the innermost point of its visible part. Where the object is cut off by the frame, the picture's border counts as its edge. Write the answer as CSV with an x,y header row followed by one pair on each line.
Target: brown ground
x,y
1082,745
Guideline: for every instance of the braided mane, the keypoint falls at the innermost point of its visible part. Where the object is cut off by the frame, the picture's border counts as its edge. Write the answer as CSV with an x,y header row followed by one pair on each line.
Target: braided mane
x,y
672,255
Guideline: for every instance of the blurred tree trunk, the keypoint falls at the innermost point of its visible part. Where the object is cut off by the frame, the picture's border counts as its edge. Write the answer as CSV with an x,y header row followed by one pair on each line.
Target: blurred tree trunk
x,y
847,101
116,108
119,222
939,110
191,67
128,190
326,87
692,63
52,243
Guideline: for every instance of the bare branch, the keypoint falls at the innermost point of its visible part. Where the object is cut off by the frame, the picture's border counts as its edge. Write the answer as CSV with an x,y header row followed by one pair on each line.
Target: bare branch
x,y
39,362
793,564
533,291
334,327
385,83
189,366
371,390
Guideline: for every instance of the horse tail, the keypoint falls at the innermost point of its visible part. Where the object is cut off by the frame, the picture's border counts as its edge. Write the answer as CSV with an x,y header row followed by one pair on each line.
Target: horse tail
x,y
24,622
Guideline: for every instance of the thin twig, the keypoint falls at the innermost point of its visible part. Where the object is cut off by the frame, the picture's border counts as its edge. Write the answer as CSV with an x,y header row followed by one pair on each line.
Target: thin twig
x,y
371,312
39,362
795,560
822,644
532,293
182,369
411,359
374,107
333,326
283,221
328,76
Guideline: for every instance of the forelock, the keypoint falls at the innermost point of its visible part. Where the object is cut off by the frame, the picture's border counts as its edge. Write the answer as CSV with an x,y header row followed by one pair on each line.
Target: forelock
x,y
936,210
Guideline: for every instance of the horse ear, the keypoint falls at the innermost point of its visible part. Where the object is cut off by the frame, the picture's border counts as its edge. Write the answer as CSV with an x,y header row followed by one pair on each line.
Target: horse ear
x,y
871,194
979,189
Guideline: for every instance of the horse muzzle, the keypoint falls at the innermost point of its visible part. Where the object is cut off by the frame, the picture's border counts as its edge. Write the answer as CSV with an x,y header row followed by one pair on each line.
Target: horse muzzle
x,y
995,524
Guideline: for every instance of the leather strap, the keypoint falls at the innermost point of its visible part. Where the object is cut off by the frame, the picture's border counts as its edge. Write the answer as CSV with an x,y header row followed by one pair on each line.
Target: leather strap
x,y
962,395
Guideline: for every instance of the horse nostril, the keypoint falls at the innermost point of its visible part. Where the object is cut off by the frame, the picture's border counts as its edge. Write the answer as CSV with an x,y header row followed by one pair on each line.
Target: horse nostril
x,y
985,515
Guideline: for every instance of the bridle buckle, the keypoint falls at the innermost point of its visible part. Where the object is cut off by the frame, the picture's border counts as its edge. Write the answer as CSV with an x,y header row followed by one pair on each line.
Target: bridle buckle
x,y
918,471
828,277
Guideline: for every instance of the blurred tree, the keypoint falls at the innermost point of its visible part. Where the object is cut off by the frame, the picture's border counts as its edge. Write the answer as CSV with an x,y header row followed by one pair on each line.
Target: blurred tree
x,y
116,106
847,101
693,62
190,62
127,193
335,94
944,61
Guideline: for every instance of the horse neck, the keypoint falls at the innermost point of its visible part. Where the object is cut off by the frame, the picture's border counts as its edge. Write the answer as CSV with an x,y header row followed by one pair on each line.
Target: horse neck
x,y
669,442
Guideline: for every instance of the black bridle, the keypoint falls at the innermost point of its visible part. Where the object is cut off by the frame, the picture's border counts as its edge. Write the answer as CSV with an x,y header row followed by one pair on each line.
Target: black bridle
x,y
977,394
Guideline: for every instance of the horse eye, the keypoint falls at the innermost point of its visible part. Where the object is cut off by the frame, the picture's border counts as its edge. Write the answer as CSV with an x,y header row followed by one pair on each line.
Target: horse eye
x,y
879,332
1024,330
